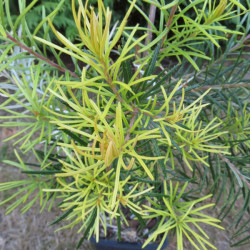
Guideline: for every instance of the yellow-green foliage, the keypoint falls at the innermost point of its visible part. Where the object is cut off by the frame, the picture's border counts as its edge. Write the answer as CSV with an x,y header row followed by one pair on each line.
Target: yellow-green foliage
x,y
125,141
114,125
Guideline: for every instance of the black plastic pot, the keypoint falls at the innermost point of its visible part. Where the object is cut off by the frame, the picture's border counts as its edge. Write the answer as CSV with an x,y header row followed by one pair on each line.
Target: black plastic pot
x,y
105,244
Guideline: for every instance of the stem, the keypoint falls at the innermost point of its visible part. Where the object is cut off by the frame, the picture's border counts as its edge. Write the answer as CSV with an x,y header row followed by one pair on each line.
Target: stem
x,y
241,43
130,125
116,93
170,20
39,56
109,80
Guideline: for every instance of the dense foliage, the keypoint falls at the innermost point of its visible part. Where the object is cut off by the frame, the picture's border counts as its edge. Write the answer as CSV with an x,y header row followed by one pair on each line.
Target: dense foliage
x,y
148,122
59,11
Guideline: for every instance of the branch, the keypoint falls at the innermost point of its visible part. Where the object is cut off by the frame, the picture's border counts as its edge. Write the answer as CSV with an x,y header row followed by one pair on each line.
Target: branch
x,y
170,20
39,56
240,43
109,80
131,125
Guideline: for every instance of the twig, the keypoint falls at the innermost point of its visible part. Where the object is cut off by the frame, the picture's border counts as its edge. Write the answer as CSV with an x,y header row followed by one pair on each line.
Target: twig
x,y
170,20
40,56
109,80
130,125
239,44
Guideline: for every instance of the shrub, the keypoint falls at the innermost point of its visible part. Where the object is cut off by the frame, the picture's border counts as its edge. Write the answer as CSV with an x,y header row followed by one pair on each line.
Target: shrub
x,y
129,134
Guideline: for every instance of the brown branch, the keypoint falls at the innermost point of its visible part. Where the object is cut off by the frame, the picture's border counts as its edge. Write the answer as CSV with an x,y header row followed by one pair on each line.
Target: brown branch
x,y
116,93
241,43
109,80
170,20
39,56
131,125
